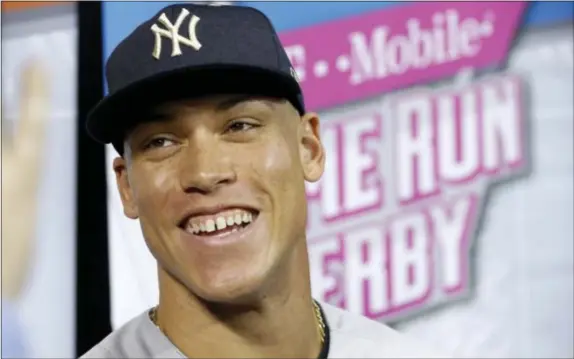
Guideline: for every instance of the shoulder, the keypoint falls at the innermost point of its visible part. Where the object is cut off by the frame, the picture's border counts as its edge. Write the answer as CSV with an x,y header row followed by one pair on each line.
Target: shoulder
x,y
116,344
355,336
138,338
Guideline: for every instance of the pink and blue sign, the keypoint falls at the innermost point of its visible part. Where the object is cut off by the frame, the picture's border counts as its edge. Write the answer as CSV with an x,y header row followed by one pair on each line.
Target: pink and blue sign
x,y
392,221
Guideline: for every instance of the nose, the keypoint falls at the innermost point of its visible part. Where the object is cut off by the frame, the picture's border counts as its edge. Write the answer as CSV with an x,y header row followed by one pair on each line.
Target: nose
x,y
206,168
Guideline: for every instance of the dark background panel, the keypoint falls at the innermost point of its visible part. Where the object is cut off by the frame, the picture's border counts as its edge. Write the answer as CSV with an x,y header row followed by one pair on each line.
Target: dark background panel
x,y
92,283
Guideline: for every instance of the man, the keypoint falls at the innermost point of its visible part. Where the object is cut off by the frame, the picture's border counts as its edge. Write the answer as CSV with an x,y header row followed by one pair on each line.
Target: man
x,y
215,143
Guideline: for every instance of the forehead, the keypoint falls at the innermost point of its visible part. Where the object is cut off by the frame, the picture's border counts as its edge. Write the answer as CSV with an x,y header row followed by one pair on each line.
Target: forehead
x,y
220,103
170,113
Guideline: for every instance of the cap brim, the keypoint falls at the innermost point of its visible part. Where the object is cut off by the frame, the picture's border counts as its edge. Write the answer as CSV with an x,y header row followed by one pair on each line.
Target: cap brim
x,y
117,113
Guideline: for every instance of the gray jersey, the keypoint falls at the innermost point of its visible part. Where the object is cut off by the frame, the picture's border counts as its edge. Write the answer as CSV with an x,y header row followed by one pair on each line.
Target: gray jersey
x,y
351,336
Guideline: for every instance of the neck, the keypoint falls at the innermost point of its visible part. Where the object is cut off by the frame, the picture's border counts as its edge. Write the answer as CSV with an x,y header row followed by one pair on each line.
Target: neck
x,y
280,324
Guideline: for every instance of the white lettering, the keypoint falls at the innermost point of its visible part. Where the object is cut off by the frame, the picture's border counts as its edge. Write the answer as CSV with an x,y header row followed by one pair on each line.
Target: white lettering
x,y
439,37
381,53
358,194
451,231
368,62
501,124
323,279
458,145
415,149
365,270
410,252
398,54
452,30
470,37
296,55
351,183
423,42
172,32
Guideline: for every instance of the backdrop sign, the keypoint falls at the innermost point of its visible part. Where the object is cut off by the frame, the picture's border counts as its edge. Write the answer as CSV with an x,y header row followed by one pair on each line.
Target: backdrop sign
x,y
394,217
390,49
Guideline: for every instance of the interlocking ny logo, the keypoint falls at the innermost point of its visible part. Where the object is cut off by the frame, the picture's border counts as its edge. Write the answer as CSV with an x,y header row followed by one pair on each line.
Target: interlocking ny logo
x,y
171,31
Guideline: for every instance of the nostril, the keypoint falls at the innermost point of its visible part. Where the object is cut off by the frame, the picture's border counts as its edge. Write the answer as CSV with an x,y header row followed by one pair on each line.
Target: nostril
x,y
204,181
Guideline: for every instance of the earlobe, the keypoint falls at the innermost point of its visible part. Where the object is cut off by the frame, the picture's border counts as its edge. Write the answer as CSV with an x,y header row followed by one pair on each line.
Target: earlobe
x,y
124,188
311,151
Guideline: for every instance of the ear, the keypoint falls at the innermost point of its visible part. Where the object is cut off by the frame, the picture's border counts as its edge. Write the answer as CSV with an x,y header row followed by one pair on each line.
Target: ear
x,y
311,148
124,188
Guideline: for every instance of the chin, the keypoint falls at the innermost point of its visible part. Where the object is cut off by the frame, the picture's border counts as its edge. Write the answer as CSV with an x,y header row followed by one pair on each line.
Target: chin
x,y
238,286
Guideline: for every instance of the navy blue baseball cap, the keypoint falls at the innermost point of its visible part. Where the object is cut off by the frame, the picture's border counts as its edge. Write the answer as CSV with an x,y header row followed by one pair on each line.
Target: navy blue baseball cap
x,y
189,51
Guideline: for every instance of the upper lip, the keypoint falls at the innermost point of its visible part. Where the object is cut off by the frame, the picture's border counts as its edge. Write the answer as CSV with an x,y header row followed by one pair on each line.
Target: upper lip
x,y
205,211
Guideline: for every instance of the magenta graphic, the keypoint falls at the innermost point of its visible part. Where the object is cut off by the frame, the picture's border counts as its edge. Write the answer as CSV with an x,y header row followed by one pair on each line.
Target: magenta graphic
x,y
362,56
393,218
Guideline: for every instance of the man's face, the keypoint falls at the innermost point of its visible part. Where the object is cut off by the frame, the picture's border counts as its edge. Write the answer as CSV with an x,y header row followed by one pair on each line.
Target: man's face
x,y
218,186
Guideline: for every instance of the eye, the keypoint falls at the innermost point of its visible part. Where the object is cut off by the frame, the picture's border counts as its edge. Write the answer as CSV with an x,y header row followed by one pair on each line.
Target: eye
x,y
240,126
158,142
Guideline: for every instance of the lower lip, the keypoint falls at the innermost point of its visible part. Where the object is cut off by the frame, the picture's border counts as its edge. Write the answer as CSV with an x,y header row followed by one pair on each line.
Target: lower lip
x,y
223,238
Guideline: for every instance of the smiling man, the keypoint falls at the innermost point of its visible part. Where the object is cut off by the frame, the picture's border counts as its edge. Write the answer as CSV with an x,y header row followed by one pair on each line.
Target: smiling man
x,y
215,148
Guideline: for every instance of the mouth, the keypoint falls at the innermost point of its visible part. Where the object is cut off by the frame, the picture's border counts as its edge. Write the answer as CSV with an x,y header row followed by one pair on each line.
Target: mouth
x,y
220,224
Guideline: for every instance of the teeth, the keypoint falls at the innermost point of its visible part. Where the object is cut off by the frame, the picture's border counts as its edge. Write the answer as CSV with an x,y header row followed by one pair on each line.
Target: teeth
x,y
220,222
210,225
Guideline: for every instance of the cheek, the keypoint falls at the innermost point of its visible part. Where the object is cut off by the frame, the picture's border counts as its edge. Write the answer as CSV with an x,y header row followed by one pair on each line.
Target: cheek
x,y
279,172
280,162
152,190
284,182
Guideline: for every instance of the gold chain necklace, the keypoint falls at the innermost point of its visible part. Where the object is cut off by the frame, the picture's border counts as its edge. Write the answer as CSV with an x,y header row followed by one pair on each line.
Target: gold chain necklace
x,y
318,317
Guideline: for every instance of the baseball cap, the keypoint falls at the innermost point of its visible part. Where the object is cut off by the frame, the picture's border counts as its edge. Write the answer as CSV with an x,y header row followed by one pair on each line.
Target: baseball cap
x,y
187,51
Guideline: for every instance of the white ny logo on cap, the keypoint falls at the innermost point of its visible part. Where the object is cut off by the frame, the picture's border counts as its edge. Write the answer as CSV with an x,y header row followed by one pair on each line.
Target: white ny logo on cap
x,y
171,31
